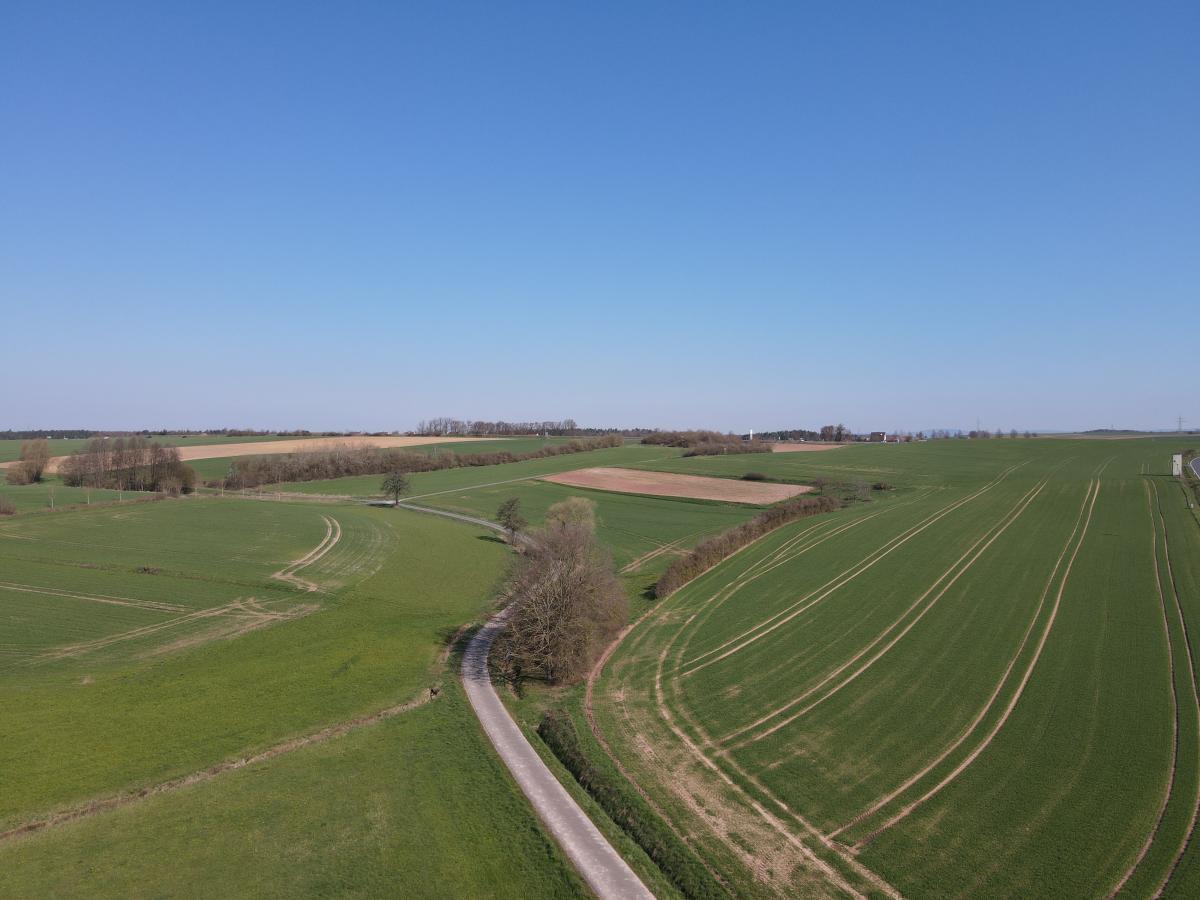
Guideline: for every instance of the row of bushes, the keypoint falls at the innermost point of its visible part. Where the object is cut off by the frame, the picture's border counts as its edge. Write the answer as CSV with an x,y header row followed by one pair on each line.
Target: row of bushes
x,y
630,812
724,448
711,551
128,464
688,438
339,462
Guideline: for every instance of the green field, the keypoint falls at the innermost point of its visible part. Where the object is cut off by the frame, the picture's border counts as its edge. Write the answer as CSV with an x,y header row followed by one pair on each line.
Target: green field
x,y
971,686
140,644
979,682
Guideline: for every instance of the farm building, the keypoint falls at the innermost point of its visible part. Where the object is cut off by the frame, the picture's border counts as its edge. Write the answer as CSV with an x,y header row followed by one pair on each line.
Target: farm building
x,y
877,437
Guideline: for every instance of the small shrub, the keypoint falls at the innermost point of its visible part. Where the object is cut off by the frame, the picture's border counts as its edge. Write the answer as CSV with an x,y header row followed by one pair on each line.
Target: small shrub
x,y
754,476
882,486
6,507
18,473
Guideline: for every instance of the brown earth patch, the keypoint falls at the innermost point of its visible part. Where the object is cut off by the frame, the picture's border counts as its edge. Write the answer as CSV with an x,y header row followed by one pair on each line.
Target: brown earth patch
x,y
668,484
802,447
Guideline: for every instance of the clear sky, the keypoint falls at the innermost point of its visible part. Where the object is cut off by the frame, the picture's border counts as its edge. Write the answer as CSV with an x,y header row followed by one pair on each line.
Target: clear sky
x,y
733,215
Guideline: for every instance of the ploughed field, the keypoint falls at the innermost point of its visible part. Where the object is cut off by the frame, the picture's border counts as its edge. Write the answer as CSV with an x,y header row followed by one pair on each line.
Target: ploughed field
x,y
670,484
981,683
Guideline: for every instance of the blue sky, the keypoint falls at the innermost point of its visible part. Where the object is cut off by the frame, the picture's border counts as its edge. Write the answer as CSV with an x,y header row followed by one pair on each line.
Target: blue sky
x,y
697,214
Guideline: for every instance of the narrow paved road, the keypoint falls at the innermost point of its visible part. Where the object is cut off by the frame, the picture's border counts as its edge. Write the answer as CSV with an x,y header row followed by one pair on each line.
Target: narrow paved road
x,y
600,865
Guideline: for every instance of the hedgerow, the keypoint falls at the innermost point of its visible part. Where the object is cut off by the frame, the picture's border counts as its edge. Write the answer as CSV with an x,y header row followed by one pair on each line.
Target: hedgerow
x,y
708,553
631,813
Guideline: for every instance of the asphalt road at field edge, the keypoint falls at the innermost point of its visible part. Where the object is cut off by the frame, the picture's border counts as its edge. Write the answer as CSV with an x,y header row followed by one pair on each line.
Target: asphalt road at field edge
x,y
597,861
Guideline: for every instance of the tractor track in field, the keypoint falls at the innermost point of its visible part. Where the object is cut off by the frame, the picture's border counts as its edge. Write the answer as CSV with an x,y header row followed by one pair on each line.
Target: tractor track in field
x,y
907,810
759,811
118,801
1091,493
153,605
795,546
828,871
1191,664
770,624
1155,508
989,537
785,553
333,534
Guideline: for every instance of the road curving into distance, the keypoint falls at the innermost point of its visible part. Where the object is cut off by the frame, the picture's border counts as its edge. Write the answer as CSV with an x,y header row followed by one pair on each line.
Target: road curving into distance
x,y
606,873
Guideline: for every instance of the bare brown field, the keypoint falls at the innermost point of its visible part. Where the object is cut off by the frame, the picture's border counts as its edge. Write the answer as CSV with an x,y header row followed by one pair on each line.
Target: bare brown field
x,y
259,448
667,484
802,447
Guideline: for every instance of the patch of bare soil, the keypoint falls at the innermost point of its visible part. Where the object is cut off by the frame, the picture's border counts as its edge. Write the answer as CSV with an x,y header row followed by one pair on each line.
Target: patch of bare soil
x,y
669,484
802,447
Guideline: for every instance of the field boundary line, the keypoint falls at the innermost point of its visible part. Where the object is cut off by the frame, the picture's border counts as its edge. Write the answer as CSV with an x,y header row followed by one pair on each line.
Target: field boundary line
x,y
970,729
995,532
770,624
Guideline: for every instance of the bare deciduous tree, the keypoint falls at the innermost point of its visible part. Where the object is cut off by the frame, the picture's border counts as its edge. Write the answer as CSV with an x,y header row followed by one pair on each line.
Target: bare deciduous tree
x,y
36,456
395,485
509,515
570,604
573,511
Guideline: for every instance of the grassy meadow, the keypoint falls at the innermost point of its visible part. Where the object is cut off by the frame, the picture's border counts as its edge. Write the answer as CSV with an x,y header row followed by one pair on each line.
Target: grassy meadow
x,y
141,643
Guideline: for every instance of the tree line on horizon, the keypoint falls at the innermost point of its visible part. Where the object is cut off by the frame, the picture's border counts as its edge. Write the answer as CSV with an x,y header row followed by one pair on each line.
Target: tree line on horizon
x,y
339,462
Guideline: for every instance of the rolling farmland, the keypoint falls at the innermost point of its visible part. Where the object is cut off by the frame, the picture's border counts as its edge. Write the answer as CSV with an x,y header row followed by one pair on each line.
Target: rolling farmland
x,y
197,690
980,682
982,685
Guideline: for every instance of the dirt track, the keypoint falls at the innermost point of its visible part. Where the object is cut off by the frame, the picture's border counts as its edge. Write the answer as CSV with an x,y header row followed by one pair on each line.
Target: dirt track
x,y
668,484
